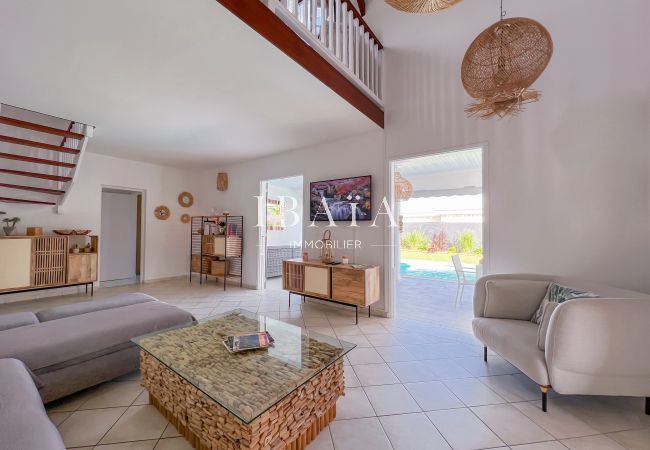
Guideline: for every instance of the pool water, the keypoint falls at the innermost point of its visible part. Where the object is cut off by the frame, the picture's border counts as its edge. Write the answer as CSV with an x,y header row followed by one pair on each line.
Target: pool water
x,y
430,269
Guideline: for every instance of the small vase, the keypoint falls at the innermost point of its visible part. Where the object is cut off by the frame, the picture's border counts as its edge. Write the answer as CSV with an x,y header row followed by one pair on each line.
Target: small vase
x,y
9,230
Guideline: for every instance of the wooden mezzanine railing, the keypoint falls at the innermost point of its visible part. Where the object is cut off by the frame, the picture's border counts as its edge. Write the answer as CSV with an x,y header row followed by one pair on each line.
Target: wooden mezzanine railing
x,y
342,32
329,39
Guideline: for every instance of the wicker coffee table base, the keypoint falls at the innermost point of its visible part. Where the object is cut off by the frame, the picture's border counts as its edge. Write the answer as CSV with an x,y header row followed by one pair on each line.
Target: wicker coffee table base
x,y
291,424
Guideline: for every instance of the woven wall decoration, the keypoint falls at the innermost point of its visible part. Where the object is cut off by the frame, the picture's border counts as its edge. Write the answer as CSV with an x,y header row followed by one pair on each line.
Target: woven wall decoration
x,y
502,63
185,218
421,6
222,181
162,212
185,199
403,187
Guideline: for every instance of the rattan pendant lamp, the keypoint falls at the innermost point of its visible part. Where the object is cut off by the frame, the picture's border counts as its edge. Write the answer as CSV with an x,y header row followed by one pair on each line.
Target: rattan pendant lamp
x,y
502,63
421,6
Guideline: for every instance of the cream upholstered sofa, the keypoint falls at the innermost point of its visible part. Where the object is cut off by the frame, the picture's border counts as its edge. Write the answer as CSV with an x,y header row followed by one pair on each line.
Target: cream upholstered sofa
x,y
593,346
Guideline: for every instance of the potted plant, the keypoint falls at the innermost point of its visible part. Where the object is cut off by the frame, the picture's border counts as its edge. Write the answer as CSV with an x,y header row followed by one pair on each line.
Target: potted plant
x,y
11,225
222,227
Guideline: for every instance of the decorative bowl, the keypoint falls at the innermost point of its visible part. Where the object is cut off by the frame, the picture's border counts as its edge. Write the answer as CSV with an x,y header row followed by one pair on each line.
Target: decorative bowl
x,y
72,232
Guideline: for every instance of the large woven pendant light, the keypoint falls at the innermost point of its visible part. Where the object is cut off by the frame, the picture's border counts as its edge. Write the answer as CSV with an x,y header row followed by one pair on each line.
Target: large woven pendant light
x,y
403,188
502,63
421,6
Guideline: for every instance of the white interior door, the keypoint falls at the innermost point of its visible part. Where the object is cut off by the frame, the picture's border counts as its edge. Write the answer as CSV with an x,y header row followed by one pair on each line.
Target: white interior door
x,y
119,236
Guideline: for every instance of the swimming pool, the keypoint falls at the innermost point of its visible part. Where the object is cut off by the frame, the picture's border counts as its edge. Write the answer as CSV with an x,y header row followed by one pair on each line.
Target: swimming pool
x,y
430,269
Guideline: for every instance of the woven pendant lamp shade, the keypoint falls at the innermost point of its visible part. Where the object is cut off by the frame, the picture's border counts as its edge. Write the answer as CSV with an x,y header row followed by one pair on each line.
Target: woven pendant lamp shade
x,y
502,63
403,187
421,6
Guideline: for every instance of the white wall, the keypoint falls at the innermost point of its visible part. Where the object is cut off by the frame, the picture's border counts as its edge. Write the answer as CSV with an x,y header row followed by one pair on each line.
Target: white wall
x,y
166,242
118,244
568,179
359,155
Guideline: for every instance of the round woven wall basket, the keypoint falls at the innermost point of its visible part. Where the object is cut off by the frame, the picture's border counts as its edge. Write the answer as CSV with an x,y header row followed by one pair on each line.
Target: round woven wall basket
x,y
421,6
502,63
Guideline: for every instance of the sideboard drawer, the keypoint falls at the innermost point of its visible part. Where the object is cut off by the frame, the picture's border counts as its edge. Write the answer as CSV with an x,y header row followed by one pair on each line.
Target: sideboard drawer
x,y
349,285
317,281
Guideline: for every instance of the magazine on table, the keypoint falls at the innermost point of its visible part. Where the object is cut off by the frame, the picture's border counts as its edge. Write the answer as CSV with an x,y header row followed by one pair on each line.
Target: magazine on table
x,y
242,342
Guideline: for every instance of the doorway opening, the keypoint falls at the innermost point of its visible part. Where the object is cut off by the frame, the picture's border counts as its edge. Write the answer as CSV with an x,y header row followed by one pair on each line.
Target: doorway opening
x,y
281,228
121,240
440,243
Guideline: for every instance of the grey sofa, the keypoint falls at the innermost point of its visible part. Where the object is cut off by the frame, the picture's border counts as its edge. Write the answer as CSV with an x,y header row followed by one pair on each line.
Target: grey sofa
x,y
24,424
73,347
592,346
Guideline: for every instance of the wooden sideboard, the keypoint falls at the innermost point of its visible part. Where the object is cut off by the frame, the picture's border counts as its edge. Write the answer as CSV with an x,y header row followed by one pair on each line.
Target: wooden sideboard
x,y
337,283
29,263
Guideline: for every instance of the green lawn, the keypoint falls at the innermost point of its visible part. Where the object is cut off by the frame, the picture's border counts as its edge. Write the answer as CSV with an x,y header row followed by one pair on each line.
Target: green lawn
x,y
467,258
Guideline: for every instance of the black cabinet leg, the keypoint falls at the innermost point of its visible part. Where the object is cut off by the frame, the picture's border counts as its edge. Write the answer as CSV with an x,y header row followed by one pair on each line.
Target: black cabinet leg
x,y
92,289
356,314
544,397
86,288
647,405
368,311
484,353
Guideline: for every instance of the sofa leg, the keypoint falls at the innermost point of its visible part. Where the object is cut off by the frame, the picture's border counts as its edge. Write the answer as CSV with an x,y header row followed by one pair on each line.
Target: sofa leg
x,y
544,397
484,353
647,405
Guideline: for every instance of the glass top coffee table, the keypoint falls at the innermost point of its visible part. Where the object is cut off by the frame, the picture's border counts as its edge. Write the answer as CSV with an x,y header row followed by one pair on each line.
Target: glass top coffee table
x,y
279,397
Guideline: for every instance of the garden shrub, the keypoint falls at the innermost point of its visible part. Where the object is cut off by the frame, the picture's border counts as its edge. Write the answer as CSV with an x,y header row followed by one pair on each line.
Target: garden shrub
x,y
466,241
416,240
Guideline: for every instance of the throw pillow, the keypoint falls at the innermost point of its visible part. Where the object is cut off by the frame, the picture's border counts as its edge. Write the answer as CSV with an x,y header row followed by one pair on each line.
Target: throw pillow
x,y
557,293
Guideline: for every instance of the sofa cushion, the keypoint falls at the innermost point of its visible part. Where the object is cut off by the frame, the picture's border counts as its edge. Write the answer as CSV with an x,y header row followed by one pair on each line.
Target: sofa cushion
x,y
542,331
23,421
19,319
75,309
515,341
513,299
557,293
54,342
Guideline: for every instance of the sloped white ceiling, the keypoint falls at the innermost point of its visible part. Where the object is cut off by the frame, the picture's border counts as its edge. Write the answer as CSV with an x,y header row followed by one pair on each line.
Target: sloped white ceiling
x,y
177,82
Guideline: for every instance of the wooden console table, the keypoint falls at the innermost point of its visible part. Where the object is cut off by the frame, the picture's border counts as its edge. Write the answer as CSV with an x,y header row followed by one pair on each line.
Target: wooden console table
x,y
31,263
336,283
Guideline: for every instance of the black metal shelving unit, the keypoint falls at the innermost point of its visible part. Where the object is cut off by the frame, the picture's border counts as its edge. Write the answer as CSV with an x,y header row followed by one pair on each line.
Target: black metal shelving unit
x,y
202,253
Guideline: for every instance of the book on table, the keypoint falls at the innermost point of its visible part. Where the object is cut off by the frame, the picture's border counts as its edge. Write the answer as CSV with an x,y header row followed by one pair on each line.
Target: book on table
x,y
242,342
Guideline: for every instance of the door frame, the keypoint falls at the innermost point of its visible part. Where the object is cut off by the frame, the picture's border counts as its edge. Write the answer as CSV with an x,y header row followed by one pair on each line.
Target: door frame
x,y
392,235
142,231
262,231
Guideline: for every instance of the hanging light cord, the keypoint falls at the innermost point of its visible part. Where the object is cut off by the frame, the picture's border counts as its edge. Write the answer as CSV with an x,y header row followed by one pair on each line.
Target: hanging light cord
x,y
503,13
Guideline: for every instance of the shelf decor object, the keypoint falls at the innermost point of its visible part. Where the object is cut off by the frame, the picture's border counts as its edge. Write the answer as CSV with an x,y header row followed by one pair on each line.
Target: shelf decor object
x,y
222,181
216,248
162,212
47,262
71,232
502,63
326,251
185,199
421,6
346,284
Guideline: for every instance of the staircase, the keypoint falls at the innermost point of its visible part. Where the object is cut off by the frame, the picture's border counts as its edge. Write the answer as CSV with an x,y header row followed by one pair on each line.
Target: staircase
x,y
39,156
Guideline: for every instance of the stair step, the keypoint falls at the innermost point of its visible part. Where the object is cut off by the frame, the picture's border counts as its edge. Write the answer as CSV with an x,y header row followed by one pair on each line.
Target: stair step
x,y
30,159
41,128
32,189
28,143
43,176
22,200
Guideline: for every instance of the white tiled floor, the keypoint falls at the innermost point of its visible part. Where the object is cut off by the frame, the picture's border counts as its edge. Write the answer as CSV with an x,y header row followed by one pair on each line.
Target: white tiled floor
x,y
415,382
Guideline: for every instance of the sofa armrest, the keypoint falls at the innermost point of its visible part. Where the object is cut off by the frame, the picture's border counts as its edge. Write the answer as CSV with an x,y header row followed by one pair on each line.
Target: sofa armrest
x,y
480,291
599,346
